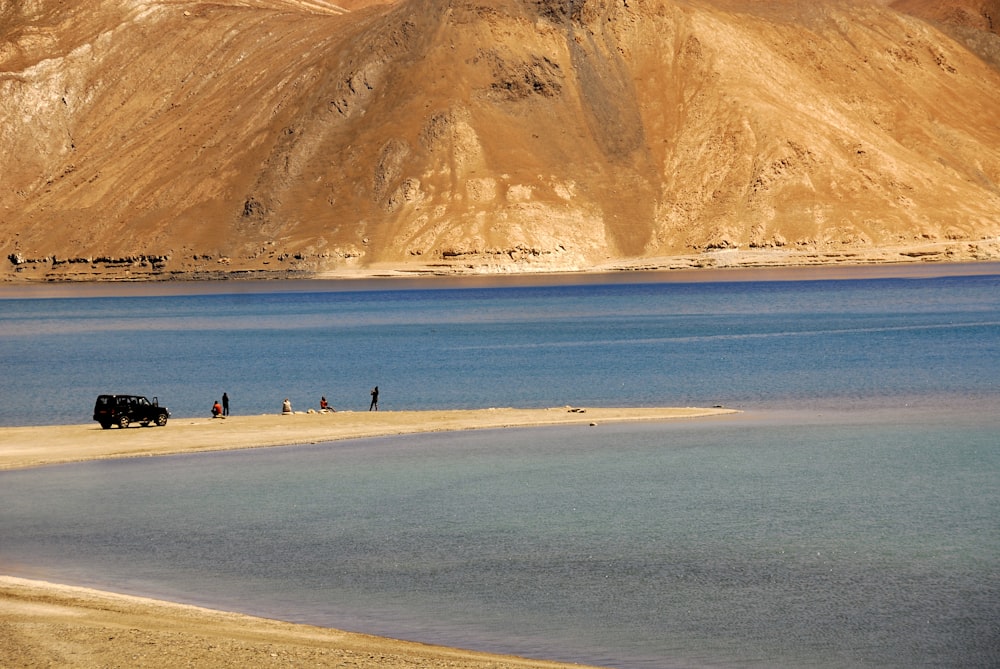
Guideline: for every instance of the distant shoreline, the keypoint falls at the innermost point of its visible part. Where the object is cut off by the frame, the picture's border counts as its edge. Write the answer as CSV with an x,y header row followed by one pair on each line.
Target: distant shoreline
x,y
886,259
412,279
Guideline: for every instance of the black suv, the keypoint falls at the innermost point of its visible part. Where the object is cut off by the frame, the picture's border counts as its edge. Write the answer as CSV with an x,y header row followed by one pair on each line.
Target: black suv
x,y
122,410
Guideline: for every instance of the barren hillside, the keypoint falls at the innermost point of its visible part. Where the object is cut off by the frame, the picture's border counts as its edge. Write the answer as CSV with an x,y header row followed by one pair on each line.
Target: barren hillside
x,y
167,139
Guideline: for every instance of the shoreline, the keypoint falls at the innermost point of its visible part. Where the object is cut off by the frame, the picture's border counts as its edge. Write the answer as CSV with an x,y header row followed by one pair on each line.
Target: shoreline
x,y
392,278
48,624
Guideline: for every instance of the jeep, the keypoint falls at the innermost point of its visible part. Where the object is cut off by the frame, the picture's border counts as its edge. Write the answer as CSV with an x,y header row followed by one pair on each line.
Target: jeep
x,y
123,410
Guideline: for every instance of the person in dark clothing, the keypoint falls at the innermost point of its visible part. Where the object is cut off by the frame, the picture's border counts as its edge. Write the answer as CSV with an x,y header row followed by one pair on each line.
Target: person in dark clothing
x,y
374,405
225,404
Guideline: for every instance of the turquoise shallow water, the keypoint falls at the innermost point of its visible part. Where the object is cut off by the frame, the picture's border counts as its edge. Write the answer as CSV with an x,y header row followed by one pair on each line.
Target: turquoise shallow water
x,y
848,518
764,540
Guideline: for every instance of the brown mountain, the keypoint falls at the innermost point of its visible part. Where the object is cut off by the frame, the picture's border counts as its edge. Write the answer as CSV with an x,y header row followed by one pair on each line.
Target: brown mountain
x,y
172,138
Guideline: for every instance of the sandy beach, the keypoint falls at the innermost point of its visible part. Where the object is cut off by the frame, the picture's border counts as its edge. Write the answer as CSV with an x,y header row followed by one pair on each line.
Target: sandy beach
x,y
49,625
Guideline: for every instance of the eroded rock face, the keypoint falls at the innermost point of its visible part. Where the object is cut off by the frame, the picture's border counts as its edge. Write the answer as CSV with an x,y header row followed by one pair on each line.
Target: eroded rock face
x,y
284,138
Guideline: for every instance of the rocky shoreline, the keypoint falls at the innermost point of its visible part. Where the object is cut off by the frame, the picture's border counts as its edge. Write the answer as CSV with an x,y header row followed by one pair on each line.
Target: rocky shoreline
x,y
166,268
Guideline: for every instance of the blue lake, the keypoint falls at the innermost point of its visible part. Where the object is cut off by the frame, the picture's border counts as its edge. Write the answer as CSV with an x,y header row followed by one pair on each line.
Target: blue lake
x,y
742,344
849,517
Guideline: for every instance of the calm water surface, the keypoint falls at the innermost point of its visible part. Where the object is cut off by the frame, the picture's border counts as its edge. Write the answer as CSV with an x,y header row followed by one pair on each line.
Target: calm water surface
x,y
848,518
740,344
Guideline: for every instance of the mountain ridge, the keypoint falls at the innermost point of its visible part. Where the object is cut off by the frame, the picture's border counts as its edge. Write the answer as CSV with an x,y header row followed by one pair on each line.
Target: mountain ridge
x,y
180,139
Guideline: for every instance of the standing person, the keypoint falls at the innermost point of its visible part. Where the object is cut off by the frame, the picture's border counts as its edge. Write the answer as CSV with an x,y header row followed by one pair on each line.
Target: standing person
x,y
374,404
225,404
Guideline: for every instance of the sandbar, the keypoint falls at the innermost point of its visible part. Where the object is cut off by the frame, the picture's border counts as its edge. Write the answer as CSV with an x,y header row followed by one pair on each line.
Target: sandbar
x,y
44,624
22,447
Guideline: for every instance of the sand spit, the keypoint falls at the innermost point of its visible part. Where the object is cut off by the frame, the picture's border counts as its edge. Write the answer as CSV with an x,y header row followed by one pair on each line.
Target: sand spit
x,y
22,447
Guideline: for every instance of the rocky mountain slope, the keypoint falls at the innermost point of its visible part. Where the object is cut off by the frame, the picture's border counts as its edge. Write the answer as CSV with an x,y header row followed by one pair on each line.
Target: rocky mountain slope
x,y
174,138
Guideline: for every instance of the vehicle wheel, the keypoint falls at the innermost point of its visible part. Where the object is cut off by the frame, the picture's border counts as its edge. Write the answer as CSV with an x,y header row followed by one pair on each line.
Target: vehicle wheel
x,y
123,422
161,420
106,426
